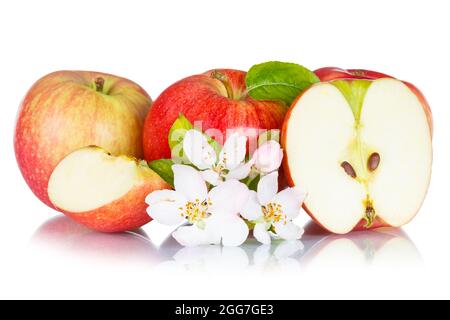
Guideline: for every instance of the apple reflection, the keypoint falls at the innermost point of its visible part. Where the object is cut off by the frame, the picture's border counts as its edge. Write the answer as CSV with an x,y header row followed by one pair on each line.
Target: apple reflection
x,y
380,248
62,236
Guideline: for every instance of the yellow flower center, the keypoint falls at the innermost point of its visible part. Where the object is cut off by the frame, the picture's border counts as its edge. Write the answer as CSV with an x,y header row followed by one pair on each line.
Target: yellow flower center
x,y
273,212
195,211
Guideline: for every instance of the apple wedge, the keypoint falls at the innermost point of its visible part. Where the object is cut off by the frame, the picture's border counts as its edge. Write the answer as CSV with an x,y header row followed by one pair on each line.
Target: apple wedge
x,y
103,192
362,150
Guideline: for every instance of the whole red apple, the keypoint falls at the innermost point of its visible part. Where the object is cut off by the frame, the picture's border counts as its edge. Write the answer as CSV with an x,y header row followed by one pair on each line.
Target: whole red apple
x,y
218,100
67,110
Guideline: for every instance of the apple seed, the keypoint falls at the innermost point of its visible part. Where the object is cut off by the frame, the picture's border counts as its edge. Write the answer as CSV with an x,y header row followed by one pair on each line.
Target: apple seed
x,y
373,161
348,169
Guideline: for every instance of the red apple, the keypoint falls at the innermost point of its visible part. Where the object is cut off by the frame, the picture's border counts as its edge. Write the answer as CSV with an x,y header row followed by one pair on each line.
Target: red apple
x,y
218,100
103,192
360,143
67,110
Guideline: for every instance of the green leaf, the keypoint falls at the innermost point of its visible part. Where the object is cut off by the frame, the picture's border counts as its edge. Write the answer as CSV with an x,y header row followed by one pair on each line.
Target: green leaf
x,y
163,167
279,81
178,130
253,183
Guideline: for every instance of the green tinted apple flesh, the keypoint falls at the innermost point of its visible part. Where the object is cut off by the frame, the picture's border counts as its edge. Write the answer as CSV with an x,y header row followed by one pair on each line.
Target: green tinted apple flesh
x,y
358,152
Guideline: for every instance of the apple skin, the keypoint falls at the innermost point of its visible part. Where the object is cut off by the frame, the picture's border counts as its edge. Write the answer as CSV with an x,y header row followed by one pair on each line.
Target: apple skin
x,y
218,104
333,73
330,74
124,214
63,112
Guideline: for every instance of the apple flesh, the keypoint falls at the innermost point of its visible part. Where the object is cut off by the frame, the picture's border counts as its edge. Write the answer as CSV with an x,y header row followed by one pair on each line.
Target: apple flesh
x,y
362,150
103,192
68,110
334,73
217,99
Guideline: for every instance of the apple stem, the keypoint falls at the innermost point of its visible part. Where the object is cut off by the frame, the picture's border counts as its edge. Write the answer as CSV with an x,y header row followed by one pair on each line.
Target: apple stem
x,y
224,79
99,83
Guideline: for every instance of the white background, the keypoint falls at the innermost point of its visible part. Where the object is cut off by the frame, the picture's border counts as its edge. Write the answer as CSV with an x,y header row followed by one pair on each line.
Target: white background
x,y
158,42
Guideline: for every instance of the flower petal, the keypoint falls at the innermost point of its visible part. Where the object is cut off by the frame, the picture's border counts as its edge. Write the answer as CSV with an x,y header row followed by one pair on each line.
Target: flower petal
x,y
189,182
290,200
232,230
261,234
241,171
228,197
268,156
267,188
198,150
165,195
233,151
211,177
190,236
166,212
288,230
252,209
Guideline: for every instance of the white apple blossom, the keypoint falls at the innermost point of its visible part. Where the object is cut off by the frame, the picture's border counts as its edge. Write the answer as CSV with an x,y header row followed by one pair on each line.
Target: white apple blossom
x,y
267,158
213,216
273,212
230,163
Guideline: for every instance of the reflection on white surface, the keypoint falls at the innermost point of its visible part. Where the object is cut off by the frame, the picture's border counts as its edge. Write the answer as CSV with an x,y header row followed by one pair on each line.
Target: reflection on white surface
x,y
62,237
250,256
382,248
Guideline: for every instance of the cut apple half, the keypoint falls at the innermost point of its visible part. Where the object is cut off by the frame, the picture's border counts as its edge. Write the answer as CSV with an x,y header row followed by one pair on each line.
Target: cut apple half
x,y
103,192
362,150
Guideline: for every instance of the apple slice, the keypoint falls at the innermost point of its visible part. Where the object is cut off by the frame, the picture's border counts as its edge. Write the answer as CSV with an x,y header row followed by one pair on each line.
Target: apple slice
x,y
362,150
103,192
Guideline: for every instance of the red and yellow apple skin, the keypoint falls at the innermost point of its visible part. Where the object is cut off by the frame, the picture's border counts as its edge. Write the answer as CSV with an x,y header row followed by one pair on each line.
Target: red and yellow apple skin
x,y
218,104
330,74
66,110
127,213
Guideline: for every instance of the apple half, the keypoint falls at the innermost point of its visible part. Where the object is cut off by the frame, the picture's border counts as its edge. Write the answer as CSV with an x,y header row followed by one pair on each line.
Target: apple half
x,y
362,151
103,192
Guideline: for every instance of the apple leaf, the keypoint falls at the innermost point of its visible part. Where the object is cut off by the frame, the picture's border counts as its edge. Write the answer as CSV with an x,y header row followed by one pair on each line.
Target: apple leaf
x,y
279,81
252,183
178,130
163,167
